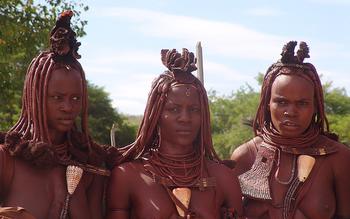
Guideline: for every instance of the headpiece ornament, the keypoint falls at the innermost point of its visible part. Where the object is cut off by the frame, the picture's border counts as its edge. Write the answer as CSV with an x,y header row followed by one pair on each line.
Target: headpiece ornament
x,y
289,59
63,41
181,65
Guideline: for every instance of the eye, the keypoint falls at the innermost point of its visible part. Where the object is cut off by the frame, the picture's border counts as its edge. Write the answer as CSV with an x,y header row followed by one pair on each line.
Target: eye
x,y
281,102
76,98
56,97
174,109
195,109
303,103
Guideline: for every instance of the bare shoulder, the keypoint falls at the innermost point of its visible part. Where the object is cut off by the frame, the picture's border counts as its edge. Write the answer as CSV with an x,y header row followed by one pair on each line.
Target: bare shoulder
x,y
221,172
246,149
216,168
245,154
340,160
3,154
126,170
121,184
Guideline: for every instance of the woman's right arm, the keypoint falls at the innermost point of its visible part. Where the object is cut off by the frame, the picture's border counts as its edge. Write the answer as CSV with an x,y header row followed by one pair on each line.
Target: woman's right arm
x,y
118,194
244,155
6,173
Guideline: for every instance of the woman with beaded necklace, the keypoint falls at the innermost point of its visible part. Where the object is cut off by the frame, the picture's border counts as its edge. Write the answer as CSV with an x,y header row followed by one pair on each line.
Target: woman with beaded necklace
x,y
172,170
49,166
294,168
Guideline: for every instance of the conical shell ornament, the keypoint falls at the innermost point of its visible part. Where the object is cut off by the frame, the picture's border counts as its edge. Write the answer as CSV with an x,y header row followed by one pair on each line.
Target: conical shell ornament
x,y
305,165
73,176
184,196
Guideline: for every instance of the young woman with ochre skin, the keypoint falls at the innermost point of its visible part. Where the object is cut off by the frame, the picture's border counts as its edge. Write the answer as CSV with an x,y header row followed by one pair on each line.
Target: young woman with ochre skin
x,y
49,166
294,168
172,171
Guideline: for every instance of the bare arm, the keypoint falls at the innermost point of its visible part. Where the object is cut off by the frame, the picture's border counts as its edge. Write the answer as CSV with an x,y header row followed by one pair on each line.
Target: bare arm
x,y
227,184
118,197
245,154
342,183
6,173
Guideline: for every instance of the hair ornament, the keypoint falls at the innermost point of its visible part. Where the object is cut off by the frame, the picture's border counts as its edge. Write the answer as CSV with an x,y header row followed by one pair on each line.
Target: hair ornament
x,y
63,39
289,59
181,65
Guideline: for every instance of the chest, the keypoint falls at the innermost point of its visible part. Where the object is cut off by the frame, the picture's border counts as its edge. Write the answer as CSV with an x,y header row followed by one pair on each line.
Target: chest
x,y
313,199
151,198
43,191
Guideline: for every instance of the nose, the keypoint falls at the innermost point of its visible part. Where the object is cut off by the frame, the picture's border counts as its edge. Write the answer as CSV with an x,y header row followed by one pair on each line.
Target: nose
x,y
66,106
184,116
291,111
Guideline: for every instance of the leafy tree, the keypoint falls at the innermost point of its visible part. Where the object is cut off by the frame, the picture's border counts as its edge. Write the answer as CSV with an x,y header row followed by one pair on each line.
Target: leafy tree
x,y
338,111
228,114
24,32
102,116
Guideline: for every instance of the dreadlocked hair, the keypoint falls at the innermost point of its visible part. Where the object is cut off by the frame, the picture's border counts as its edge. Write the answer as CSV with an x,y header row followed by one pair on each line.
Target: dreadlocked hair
x,y
179,71
29,138
290,64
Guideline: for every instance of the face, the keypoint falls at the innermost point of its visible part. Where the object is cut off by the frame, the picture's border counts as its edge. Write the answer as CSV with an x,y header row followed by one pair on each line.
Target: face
x,y
64,102
181,118
292,104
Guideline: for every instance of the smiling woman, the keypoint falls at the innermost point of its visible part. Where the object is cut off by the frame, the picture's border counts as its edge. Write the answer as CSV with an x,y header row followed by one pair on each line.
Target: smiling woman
x,y
294,168
49,166
171,170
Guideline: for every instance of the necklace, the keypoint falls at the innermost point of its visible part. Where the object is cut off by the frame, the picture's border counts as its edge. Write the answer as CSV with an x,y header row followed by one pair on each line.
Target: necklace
x,y
278,168
183,170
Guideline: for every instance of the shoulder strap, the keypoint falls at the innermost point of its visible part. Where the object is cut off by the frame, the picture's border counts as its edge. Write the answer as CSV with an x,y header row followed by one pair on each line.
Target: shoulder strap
x,y
6,173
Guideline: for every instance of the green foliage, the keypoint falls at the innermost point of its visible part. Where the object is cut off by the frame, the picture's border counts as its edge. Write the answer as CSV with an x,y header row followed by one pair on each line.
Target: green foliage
x,y
102,116
230,114
337,101
337,104
24,32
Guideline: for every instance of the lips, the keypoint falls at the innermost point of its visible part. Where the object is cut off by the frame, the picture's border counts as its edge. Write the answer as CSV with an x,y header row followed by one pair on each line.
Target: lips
x,y
184,132
66,121
290,125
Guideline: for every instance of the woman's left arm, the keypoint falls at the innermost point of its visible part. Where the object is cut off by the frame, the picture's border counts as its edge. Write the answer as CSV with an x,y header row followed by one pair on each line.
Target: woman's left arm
x,y
341,167
227,181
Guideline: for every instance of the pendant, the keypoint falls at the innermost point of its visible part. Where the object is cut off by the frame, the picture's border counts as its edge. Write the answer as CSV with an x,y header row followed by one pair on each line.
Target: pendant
x,y
184,196
73,176
305,165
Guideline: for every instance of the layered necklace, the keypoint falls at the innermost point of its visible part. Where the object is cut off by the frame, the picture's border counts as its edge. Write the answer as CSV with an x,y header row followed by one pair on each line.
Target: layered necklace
x,y
183,170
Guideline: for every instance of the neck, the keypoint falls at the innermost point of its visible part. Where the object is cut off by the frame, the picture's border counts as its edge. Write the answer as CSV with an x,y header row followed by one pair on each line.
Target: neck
x,y
175,149
57,138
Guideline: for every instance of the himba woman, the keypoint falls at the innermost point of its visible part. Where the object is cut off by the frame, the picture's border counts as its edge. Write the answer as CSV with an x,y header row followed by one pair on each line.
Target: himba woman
x,y
172,171
293,168
49,167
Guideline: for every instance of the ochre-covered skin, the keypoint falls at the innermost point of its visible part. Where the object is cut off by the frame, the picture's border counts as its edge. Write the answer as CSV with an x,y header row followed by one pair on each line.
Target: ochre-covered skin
x,y
291,120
173,150
36,151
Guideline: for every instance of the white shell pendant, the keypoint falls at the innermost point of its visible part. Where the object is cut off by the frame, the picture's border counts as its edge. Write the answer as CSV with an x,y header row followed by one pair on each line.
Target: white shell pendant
x,y
305,165
73,176
184,196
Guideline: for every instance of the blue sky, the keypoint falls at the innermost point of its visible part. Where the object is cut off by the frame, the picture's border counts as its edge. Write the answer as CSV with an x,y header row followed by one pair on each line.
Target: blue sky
x,y
121,50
